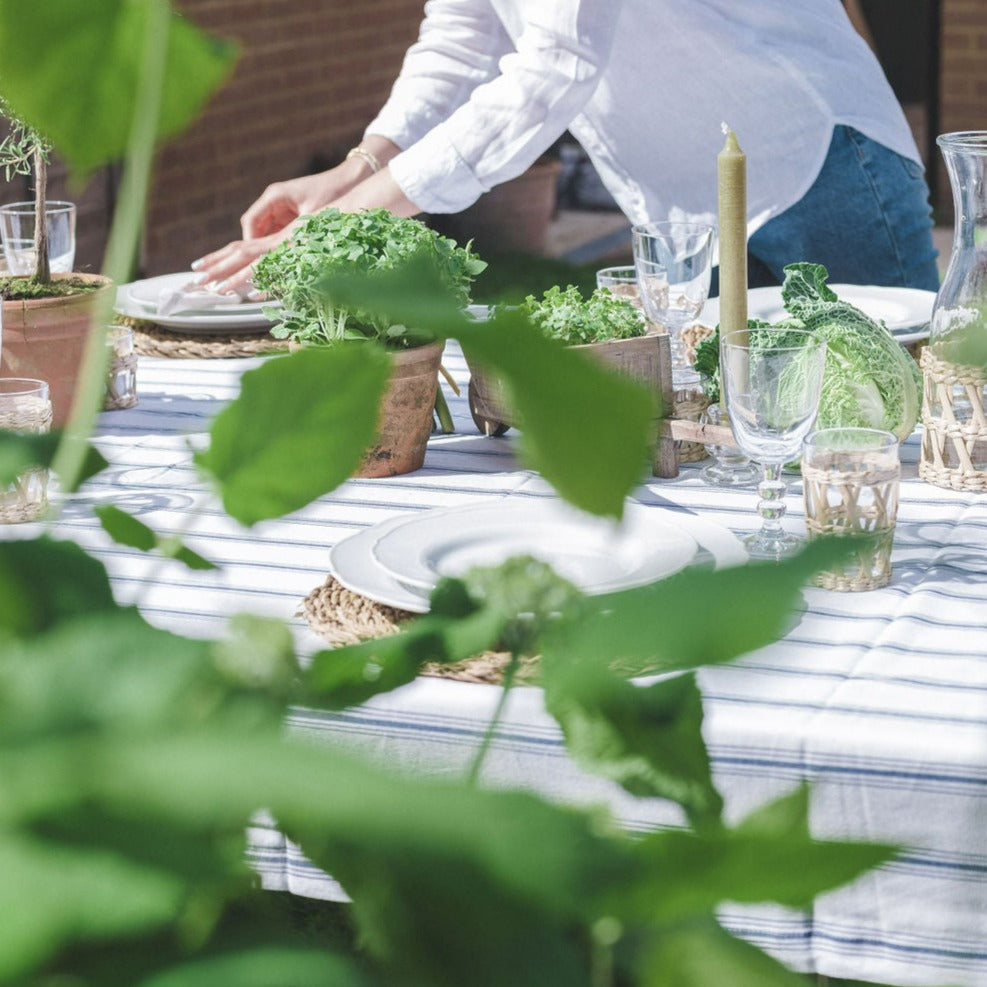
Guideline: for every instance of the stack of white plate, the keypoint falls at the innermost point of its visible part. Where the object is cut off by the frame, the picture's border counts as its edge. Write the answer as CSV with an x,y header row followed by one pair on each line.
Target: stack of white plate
x,y
399,561
141,300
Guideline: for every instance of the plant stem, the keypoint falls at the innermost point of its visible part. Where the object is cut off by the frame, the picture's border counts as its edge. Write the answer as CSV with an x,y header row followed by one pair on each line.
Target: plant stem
x,y
473,774
442,410
124,235
42,268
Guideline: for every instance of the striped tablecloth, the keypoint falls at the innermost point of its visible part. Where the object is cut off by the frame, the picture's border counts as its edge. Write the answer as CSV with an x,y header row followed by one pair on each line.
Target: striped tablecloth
x,y
879,699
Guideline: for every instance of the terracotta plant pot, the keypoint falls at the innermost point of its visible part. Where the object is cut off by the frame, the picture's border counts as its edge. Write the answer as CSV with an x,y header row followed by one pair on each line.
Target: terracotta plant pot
x,y
45,338
405,421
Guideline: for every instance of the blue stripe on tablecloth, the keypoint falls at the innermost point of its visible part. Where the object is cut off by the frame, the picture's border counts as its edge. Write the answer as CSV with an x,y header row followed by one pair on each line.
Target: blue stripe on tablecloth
x,y
946,958
404,726
836,675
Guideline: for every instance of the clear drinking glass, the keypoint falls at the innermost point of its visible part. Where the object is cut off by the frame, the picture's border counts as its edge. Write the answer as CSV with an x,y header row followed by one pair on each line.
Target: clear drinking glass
x,y
674,263
17,233
25,408
772,379
729,468
121,369
620,281
850,480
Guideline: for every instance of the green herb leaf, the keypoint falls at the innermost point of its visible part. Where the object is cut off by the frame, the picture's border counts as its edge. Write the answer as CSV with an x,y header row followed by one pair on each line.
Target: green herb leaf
x,y
666,625
700,953
349,675
74,893
564,315
769,859
44,582
264,966
585,428
648,739
19,452
125,529
297,430
373,274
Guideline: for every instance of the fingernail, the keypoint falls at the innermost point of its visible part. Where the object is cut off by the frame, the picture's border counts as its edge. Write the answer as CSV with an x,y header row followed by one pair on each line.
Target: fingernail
x,y
199,279
255,296
196,264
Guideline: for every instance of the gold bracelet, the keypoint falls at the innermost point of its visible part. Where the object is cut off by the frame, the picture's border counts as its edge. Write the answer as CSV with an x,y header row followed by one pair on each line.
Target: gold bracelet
x,y
371,159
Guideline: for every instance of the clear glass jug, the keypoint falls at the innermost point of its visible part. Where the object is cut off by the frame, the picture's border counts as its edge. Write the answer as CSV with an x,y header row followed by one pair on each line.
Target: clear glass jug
x,y
954,364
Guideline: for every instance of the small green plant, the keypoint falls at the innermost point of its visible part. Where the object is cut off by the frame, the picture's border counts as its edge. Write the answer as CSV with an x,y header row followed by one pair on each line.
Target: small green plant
x,y
22,151
564,314
366,244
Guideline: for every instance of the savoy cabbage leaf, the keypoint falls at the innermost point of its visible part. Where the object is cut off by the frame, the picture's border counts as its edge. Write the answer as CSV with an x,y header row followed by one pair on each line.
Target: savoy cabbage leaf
x,y
870,380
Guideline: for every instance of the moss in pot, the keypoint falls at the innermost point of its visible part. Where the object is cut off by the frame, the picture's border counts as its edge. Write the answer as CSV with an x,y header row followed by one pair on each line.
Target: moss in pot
x,y
368,244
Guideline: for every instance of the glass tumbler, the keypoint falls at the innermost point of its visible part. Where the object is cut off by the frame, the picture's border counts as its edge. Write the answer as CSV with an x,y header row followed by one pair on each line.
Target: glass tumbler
x,y
850,479
25,408
621,281
17,232
121,369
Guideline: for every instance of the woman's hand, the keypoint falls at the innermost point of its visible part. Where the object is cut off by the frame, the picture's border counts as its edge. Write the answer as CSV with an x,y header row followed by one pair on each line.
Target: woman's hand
x,y
281,203
270,220
229,268
351,186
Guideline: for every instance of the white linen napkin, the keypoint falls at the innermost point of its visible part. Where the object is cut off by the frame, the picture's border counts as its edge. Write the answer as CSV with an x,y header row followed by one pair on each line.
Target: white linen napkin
x,y
193,297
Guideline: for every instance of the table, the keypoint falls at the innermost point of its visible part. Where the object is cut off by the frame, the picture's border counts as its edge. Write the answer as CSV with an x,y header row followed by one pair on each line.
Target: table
x,y
879,699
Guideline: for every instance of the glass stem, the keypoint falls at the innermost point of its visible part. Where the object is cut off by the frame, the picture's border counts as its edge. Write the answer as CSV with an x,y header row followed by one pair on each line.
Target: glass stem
x,y
771,506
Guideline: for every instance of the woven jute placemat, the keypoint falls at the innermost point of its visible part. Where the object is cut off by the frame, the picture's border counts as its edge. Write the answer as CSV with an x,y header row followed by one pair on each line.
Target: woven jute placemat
x,y
151,339
339,616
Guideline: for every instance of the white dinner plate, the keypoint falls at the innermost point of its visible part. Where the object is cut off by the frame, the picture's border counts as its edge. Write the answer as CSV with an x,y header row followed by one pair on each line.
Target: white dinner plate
x,y
139,300
355,566
596,554
905,311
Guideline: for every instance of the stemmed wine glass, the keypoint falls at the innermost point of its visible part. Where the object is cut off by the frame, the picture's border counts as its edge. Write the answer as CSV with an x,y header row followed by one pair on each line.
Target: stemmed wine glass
x,y
772,379
674,263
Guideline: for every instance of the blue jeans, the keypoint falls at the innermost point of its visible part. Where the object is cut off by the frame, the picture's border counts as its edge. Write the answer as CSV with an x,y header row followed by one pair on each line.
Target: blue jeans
x,y
866,218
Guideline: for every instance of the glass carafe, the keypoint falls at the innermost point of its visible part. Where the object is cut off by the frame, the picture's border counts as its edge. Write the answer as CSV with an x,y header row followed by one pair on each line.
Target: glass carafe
x,y
954,364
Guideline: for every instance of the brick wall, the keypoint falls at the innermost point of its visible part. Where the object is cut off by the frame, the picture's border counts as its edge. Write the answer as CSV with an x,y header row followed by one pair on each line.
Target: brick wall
x,y
311,75
963,76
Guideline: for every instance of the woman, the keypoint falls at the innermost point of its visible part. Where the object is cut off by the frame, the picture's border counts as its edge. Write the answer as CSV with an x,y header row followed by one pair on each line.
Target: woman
x,y
644,85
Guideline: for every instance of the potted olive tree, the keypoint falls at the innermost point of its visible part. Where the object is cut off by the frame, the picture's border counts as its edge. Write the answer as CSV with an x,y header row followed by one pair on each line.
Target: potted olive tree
x,y
46,317
371,243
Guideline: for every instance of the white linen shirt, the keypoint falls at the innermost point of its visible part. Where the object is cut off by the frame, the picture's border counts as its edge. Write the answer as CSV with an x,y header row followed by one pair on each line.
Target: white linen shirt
x,y
644,86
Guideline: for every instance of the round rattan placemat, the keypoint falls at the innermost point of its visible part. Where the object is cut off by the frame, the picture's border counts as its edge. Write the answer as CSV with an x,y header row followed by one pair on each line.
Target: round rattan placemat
x,y
339,616
151,339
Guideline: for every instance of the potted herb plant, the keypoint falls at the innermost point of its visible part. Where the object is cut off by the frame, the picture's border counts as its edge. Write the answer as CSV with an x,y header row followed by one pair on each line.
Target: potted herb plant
x,y
604,325
375,242
46,317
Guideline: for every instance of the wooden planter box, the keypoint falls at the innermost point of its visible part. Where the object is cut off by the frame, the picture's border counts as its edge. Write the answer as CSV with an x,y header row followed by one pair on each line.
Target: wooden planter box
x,y
646,358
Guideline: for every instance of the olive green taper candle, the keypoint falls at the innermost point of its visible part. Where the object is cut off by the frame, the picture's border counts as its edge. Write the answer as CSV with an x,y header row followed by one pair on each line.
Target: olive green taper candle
x,y
731,170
